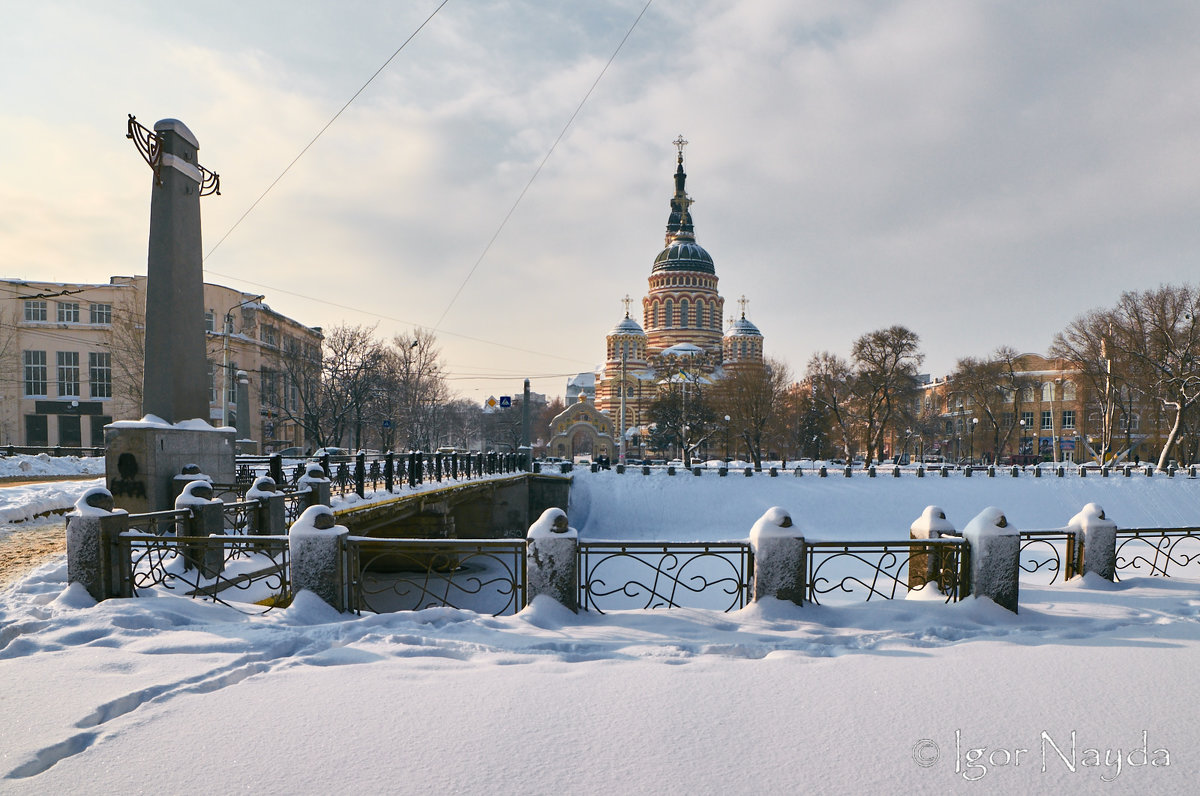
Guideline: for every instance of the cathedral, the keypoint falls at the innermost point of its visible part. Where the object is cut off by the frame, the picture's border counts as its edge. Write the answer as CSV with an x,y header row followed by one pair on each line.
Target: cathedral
x,y
682,315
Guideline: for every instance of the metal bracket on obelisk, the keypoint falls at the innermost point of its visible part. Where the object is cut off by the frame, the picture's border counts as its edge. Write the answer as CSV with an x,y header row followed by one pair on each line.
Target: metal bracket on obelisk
x,y
175,372
147,144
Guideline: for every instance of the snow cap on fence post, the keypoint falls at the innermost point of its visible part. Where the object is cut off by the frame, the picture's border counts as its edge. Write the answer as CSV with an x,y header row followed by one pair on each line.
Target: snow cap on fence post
x,y
778,557
316,544
995,557
552,560
1098,535
315,481
269,517
89,529
924,568
207,519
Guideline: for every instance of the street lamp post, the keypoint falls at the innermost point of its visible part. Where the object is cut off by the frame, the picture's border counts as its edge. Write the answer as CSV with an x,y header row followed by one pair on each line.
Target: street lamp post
x,y
225,368
974,423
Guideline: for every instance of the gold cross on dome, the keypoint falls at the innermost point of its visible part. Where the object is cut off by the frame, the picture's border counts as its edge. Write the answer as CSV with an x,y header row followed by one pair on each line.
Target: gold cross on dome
x,y
626,301
680,144
742,302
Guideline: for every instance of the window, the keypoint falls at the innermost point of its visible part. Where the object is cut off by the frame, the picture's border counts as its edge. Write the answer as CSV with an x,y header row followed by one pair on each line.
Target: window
x,y
1027,420
699,324
1047,420
1007,420
231,383
1069,391
683,312
68,312
268,335
1048,391
100,314
268,391
210,321
35,310
68,373
1027,395
100,373
212,383
670,313
35,372
1068,418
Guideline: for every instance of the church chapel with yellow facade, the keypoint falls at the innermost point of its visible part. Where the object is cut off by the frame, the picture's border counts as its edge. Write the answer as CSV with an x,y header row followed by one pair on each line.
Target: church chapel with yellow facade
x,y
682,316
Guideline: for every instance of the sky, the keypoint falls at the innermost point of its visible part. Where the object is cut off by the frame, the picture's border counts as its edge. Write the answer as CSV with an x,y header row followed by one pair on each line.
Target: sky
x,y
879,696
981,173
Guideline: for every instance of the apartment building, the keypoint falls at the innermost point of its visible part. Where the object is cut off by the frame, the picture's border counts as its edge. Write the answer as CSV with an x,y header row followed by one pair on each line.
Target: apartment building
x,y
72,356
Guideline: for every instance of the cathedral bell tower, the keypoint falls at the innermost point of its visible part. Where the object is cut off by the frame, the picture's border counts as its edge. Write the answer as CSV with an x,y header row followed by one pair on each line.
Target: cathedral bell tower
x,y
682,305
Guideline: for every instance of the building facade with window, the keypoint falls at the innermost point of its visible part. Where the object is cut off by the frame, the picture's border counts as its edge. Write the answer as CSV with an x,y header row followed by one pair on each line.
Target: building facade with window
x,y
72,356
1044,421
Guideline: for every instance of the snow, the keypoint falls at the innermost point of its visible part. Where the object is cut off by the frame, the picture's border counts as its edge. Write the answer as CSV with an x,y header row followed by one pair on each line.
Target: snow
x,y
775,523
166,694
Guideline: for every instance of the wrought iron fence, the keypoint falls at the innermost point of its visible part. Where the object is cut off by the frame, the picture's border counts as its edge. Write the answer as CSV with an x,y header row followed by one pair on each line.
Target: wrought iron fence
x,y
623,575
855,571
159,523
248,573
1054,555
483,575
1158,552
237,515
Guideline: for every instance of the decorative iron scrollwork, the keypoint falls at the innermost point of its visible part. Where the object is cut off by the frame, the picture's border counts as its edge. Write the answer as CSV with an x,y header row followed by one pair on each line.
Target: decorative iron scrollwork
x,y
655,575
148,145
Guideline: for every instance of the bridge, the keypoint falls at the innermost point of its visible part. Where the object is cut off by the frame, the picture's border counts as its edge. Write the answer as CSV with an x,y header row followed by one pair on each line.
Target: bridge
x,y
494,508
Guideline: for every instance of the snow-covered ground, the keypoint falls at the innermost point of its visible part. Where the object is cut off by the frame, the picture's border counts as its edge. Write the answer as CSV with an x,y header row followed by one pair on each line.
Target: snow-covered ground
x,y
164,694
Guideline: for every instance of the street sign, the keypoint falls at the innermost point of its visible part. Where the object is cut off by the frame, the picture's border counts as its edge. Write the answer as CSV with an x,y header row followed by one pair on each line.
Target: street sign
x,y
490,404
505,401
387,424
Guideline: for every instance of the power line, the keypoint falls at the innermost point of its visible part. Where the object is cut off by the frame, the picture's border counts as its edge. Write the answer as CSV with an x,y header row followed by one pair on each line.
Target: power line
x,y
328,303
326,127
538,170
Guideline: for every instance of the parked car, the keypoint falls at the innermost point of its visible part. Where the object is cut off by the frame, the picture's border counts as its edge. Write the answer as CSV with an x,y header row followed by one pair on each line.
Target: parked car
x,y
319,452
291,453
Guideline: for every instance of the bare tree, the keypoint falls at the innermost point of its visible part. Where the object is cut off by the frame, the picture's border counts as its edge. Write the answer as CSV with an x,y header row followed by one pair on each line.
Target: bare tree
x,y
993,389
1158,331
754,399
683,413
1087,342
830,377
127,349
885,377
417,386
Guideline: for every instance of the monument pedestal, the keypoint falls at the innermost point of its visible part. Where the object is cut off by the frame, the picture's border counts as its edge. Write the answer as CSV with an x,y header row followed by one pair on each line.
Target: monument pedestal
x,y
143,460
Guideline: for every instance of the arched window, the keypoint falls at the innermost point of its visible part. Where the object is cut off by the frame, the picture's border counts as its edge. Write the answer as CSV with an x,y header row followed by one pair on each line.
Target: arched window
x,y
658,315
1068,391
670,313
683,312
1027,395
1048,391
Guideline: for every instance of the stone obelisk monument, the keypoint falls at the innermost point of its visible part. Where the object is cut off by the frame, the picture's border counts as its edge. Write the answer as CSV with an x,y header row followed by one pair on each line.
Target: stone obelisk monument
x,y
144,456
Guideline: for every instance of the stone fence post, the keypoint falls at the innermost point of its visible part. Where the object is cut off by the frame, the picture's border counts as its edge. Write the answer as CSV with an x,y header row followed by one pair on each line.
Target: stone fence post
x,y
779,557
552,560
318,485
317,547
995,558
928,567
92,530
1097,535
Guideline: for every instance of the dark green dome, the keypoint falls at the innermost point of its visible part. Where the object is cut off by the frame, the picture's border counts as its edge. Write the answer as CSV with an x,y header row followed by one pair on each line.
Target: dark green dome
x,y
684,255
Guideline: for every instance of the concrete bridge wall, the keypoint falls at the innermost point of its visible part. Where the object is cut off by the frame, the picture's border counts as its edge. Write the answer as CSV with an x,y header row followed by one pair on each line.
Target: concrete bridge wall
x,y
493,509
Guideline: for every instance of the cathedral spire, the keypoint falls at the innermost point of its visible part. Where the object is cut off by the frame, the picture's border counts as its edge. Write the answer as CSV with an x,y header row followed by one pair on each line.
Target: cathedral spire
x,y
679,225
